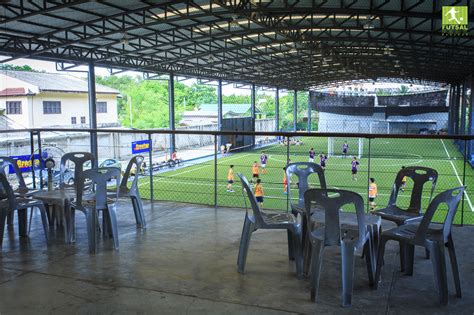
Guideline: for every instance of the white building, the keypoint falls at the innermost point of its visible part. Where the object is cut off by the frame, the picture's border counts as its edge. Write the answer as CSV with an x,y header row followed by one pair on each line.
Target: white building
x,y
37,99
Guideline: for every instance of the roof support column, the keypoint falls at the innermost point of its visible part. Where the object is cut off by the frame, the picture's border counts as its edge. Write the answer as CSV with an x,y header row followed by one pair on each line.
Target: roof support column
x,y
456,109
470,128
464,107
277,109
309,113
450,109
295,109
252,109
92,112
219,108
171,112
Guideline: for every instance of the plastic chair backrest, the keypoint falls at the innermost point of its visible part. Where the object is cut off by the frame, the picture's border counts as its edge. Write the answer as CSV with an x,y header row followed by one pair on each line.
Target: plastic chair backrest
x,y
7,189
79,159
98,179
420,175
451,198
331,201
302,170
137,162
253,202
6,161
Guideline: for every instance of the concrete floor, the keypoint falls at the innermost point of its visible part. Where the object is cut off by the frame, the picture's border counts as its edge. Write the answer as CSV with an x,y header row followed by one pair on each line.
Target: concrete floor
x,y
185,262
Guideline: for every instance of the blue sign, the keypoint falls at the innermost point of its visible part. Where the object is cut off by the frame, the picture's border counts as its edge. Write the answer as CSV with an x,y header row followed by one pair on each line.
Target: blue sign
x,y
24,163
141,146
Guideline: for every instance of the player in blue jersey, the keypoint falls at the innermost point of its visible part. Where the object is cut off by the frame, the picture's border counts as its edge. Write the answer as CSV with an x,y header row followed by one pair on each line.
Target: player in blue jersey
x,y
311,155
322,160
263,162
345,148
354,165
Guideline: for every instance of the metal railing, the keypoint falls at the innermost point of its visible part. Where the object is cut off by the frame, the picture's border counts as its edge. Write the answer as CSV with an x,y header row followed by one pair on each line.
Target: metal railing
x,y
201,176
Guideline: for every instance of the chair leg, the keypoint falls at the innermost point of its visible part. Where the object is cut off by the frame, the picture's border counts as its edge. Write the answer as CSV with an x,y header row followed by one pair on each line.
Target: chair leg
x,y
113,228
44,221
307,254
439,267
10,218
291,253
380,254
369,260
91,218
409,259
135,210
427,253
22,222
348,255
72,225
141,211
316,265
247,231
3,220
30,221
298,251
402,256
454,266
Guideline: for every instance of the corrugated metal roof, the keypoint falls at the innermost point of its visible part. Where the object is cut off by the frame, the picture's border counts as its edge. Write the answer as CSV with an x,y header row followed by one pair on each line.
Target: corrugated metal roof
x,y
56,82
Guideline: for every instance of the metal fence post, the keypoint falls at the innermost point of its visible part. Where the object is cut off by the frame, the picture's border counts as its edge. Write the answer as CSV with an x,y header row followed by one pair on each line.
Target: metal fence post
x,y
32,149
215,170
288,179
464,182
368,174
150,166
40,158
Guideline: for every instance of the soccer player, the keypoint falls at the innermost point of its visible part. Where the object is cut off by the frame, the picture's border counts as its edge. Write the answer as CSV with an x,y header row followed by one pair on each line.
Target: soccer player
x,y
322,160
254,171
258,190
311,155
355,165
404,182
372,193
230,178
263,162
345,148
285,182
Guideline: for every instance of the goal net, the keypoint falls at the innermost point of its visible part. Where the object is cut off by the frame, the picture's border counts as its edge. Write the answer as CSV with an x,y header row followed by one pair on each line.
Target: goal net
x,y
355,147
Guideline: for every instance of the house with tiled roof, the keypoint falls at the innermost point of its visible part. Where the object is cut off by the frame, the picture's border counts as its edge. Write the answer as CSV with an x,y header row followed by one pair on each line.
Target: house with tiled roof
x,y
38,99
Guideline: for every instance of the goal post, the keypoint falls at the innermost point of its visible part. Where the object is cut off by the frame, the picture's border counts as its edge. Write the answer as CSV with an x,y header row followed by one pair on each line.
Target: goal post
x,y
355,147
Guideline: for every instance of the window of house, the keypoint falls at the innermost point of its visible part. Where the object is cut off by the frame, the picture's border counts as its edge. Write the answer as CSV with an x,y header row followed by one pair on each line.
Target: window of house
x,y
51,107
14,108
73,120
101,107
83,120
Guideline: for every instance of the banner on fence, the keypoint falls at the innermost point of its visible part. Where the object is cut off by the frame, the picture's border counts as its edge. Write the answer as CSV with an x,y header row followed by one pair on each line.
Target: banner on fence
x,y
140,146
24,163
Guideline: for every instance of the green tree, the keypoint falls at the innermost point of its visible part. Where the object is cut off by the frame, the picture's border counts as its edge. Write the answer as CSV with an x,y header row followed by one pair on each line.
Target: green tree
x,y
17,68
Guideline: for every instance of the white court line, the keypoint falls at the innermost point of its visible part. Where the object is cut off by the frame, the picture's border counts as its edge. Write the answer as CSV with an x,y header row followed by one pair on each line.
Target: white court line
x,y
457,175
191,170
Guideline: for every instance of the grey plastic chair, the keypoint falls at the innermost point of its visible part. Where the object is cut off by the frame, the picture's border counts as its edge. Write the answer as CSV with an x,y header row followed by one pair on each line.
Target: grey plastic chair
x,y
20,204
267,220
303,170
79,159
431,237
22,189
133,191
90,203
420,176
331,233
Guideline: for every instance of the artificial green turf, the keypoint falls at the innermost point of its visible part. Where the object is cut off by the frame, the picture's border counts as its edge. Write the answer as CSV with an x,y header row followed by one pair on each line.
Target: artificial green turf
x,y
195,184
